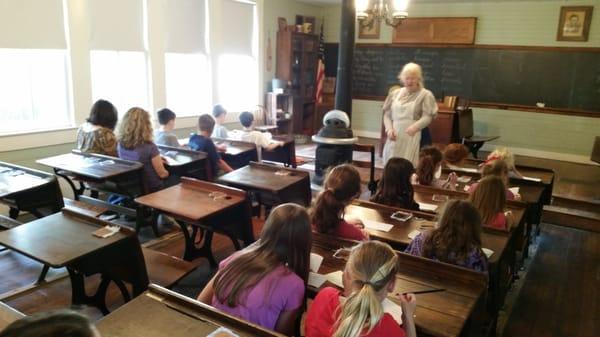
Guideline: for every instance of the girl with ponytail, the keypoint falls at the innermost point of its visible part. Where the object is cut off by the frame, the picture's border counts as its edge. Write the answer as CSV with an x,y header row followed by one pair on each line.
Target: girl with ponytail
x,y
429,170
327,214
369,276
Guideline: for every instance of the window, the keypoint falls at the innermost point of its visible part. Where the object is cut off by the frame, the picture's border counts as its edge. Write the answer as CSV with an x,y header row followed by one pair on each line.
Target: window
x,y
187,83
121,78
34,90
237,82
237,64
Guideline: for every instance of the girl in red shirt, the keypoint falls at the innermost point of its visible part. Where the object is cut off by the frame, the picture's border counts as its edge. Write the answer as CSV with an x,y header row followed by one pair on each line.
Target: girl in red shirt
x,y
490,200
341,186
368,277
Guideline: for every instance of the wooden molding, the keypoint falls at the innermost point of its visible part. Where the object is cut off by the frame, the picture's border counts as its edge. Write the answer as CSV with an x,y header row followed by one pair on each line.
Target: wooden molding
x,y
513,107
478,46
450,30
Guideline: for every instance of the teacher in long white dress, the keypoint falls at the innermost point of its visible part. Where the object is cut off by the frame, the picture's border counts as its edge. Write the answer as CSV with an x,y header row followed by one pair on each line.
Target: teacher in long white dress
x,y
406,111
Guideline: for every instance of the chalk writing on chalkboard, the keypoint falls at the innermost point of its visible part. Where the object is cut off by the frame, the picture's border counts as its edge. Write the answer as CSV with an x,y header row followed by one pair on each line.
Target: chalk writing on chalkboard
x,y
565,79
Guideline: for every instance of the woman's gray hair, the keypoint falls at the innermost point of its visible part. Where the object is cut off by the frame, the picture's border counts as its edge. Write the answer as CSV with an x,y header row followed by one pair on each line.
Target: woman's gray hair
x,y
411,68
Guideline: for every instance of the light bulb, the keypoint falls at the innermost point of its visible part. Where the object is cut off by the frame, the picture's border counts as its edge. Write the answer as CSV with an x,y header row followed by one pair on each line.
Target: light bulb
x,y
400,5
361,5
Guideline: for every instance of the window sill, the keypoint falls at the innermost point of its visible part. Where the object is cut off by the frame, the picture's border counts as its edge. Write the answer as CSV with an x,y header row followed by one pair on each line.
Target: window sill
x,y
37,138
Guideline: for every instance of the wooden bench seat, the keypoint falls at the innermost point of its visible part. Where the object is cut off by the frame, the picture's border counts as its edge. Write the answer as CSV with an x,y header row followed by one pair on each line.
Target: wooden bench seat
x,y
568,217
7,223
84,208
165,270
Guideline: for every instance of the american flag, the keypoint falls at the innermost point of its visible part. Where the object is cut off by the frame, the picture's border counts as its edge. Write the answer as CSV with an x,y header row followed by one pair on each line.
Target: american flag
x,y
320,68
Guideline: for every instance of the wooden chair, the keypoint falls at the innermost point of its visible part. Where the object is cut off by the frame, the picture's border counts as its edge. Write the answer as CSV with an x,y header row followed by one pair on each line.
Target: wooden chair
x,y
165,270
372,185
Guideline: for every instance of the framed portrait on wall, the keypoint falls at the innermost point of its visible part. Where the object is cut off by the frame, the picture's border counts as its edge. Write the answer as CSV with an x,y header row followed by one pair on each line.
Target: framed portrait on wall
x,y
370,31
574,23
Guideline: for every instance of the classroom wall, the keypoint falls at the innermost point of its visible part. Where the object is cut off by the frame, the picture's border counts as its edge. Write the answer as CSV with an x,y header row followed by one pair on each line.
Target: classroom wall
x,y
530,23
288,9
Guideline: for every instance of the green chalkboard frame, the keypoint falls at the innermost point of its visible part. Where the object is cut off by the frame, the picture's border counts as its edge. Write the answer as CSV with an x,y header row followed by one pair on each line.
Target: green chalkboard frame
x,y
498,105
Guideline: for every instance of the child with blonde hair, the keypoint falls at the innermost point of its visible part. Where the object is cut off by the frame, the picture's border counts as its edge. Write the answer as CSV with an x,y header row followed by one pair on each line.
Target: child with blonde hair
x,y
503,153
134,134
359,310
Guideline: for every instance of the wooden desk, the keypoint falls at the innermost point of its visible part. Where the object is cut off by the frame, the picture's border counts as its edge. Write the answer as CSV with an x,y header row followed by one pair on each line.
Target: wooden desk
x,y
160,312
474,143
65,240
237,153
503,262
193,202
275,185
25,189
285,154
443,313
8,315
103,173
184,162
535,193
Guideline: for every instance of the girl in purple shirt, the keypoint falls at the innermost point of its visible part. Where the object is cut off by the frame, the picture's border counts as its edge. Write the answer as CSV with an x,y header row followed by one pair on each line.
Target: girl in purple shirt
x,y
265,282
456,240
135,143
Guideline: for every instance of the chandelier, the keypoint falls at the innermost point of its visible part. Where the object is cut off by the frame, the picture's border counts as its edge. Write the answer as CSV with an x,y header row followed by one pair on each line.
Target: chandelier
x,y
392,12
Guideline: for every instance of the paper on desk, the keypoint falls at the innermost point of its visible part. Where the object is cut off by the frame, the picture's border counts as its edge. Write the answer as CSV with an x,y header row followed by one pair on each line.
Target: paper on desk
x,y
315,262
514,190
532,179
393,309
412,235
423,206
335,278
316,280
376,225
223,332
487,252
106,231
463,179
467,169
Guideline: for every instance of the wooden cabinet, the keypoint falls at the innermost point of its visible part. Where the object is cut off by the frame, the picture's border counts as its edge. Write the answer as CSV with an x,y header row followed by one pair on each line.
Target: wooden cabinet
x,y
297,65
280,108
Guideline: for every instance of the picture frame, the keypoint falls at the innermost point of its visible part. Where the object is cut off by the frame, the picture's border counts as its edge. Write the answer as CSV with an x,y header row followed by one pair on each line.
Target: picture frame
x,y
574,23
370,31
282,24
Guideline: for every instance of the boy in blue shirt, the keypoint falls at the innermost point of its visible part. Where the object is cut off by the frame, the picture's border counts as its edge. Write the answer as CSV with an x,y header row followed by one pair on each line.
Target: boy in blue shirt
x,y
202,142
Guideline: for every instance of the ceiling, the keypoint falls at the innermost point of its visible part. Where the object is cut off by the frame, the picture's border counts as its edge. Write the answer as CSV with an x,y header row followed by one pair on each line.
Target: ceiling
x,y
330,2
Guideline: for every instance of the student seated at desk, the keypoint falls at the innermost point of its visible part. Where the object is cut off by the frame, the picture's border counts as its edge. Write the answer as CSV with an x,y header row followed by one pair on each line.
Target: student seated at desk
x,y
395,188
64,323
263,140
508,157
490,199
135,143
429,170
219,114
96,134
341,186
265,283
496,168
202,142
360,310
456,240
164,135
455,155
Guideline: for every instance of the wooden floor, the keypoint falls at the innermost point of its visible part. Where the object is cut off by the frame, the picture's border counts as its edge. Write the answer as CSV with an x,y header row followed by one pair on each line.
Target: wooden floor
x,y
561,294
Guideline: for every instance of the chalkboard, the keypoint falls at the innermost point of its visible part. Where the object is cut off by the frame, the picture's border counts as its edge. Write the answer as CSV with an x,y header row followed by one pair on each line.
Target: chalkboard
x,y
567,79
